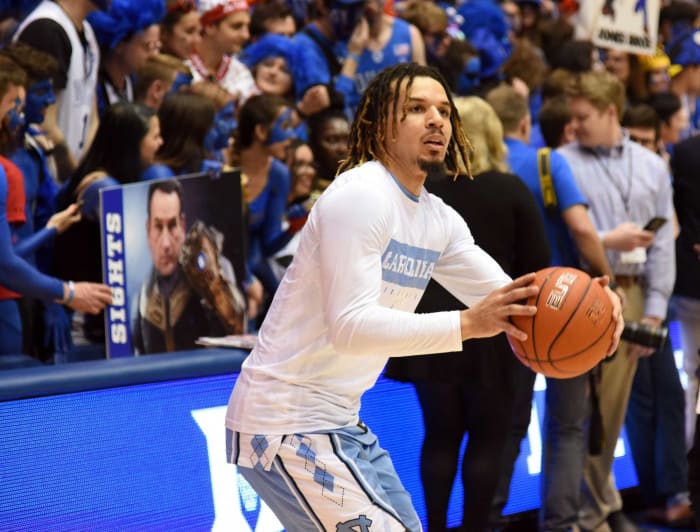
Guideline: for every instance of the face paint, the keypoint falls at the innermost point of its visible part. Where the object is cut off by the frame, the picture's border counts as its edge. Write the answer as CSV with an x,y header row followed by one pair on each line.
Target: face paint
x,y
344,18
224,124
39,96
281,129
16,117
468,79
181,80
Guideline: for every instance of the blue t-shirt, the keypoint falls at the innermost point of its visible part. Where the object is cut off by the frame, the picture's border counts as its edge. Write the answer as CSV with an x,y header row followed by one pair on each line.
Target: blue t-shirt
x,y
523,162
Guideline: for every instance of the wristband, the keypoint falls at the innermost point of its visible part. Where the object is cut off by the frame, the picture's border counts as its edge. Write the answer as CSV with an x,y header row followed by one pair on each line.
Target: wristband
x,y
354,57
71,293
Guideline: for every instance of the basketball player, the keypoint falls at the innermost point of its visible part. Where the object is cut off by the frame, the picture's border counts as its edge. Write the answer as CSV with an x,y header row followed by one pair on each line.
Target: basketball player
x,y
346,303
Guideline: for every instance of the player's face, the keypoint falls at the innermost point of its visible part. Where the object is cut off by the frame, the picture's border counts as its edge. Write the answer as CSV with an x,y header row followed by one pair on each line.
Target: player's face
x,y
423,129
184,37
151,142
232,32
166,231
273,77
591,126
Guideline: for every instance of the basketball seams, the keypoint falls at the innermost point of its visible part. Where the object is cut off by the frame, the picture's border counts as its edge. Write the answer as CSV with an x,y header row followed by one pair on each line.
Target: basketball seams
x,y
563,327
534,320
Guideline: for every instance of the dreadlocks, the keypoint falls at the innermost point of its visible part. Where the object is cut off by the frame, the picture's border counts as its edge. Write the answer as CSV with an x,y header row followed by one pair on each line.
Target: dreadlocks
x,y
369,129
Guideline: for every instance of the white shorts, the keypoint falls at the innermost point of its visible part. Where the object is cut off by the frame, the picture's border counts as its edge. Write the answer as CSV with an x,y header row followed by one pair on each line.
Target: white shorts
x,y
338,481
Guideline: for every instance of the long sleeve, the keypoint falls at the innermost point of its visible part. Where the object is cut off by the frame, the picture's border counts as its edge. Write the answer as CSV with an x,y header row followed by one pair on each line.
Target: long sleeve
x,y
355,229
15,273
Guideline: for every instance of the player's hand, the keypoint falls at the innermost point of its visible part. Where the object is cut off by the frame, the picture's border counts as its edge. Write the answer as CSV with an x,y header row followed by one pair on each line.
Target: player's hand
x,y
491,315
61,221
91,297
617,300
627,236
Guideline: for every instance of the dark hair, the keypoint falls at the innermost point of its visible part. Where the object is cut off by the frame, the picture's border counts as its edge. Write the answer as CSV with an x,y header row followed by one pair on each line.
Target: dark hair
x,y
370,127
166,186
37,64
553,117
273,10
261,109
185,119
575,56
640,115
116,148
666,104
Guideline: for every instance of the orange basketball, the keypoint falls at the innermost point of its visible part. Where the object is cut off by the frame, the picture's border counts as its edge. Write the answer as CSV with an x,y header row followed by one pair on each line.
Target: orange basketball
x,y
573,327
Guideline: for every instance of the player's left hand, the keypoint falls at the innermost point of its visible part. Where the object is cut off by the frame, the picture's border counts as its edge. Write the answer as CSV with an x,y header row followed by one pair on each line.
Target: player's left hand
x,y
617,300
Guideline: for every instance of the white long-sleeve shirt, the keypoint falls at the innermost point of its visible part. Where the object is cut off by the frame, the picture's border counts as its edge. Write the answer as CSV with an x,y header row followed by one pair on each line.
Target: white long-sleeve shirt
x,y
347,303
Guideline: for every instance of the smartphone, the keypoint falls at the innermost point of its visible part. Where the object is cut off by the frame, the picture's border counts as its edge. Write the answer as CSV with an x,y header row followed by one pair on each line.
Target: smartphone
x,y
655,224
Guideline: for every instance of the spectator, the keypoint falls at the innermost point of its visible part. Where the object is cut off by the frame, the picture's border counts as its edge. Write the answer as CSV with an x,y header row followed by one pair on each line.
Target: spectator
x,y
270,60
185,119
390,40
272,17
126,142
673,121
329,133
261,140
17,277
574,242
161,75
320,79
128,35
625,185
556,123
63,31
224,33
642,124
180,28
684,52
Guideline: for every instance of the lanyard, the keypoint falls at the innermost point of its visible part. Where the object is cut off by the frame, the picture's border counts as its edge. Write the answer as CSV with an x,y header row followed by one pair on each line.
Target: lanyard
x,y
623,186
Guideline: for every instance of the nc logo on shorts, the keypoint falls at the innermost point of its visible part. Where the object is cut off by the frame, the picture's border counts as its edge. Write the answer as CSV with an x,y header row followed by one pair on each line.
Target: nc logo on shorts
x,y
361,524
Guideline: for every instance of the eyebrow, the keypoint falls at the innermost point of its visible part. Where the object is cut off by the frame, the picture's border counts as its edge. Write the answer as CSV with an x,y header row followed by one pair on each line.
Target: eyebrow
x,y
444,103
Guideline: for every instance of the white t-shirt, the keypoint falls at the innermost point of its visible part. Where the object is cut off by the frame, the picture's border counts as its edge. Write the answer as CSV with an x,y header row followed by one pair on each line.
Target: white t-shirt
x,y
347,303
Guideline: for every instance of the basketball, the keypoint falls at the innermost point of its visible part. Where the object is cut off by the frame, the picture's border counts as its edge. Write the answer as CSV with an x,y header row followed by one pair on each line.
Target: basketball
x,y
573,327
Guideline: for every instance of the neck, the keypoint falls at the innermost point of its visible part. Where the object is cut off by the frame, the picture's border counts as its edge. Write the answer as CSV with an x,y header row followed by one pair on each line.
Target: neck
x,y
117,74
410,176
76,11
377,24
255,159
518,135
210,54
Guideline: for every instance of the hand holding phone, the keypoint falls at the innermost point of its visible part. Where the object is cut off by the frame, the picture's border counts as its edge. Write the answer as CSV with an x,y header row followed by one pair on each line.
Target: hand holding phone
x,y
655,224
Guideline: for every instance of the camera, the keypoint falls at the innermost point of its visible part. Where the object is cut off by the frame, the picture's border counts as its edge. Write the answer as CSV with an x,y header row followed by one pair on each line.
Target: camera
x,y
646,335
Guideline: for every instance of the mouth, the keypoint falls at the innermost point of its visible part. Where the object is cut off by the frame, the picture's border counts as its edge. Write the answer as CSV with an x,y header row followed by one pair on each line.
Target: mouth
x,y
434,140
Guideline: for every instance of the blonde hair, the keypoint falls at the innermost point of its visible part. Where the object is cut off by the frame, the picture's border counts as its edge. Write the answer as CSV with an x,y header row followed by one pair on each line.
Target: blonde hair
x,y
485,131
600,88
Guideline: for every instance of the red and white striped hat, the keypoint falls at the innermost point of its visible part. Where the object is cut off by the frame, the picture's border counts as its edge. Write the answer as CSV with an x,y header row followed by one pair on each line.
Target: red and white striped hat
x,y
211,11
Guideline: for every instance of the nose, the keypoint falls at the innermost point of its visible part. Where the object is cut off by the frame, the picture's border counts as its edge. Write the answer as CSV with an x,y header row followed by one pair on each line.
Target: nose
x,y
434,118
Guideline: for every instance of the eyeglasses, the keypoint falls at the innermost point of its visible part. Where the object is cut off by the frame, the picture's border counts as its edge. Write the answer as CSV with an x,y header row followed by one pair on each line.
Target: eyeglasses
x,y
648,143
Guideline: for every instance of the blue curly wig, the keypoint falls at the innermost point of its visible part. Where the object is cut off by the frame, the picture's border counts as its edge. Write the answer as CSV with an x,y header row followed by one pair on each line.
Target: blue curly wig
x,y
270,45
124,19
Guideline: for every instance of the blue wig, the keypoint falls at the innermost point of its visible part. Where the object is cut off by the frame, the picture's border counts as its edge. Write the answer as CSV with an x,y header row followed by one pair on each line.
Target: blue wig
x,y
124,19
270,45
